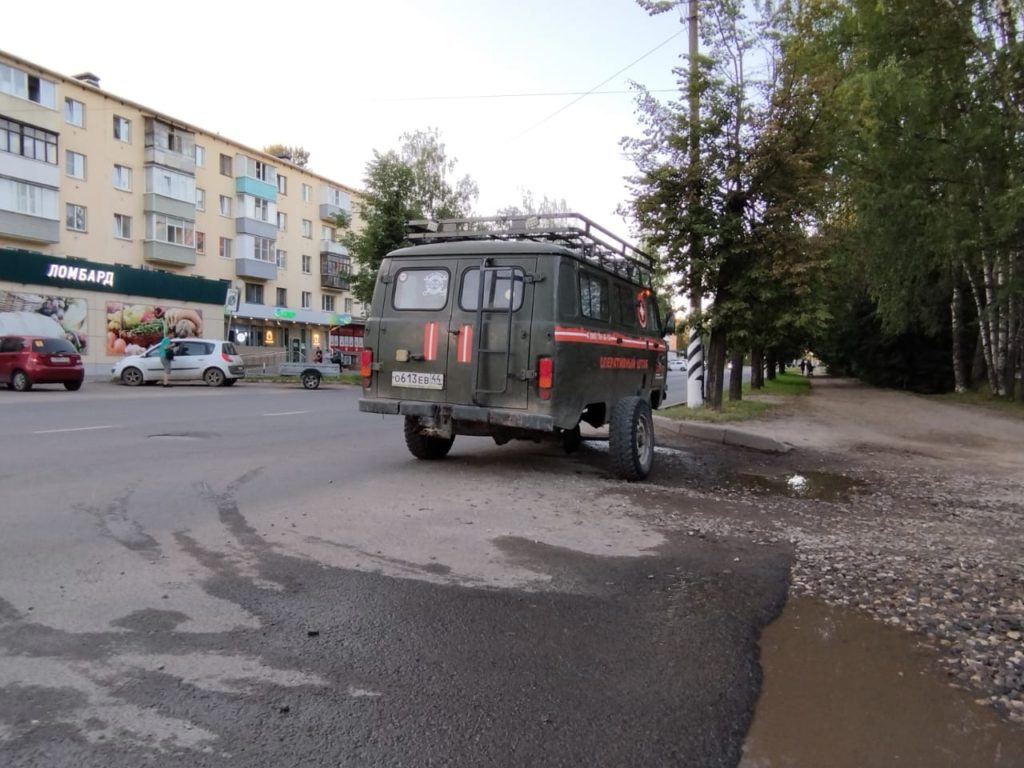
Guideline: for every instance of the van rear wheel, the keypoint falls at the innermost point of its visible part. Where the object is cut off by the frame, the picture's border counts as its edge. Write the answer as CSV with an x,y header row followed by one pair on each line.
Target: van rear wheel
x,y
423,446
631,438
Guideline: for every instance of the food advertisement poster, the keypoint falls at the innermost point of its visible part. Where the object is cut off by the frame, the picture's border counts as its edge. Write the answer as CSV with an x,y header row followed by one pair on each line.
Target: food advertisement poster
x,y
134,328
69,312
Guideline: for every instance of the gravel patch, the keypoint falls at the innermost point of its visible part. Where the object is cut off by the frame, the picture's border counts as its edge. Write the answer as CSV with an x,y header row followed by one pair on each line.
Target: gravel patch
x,y
925,537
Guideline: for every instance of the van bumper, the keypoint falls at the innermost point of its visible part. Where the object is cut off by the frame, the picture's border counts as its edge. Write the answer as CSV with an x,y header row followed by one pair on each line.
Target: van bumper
x,y
498,417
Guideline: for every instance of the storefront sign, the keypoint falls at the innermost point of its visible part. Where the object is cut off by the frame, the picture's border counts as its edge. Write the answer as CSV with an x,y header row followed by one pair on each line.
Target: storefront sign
x,y
33,268
284,314
81,274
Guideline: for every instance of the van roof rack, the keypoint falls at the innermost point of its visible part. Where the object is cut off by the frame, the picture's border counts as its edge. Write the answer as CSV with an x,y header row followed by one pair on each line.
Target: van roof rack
x,y
591,242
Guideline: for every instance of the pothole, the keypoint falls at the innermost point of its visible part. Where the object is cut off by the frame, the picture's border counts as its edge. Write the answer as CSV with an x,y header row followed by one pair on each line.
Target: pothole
x,y
180,436
820,486
844,691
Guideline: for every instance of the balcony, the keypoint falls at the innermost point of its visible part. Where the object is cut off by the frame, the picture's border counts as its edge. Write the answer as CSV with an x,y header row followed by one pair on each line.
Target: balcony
x,y
255,269
169,254
333,248
335,281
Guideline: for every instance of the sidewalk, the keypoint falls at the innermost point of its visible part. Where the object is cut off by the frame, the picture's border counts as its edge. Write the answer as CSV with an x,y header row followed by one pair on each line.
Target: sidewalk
x,y
718,433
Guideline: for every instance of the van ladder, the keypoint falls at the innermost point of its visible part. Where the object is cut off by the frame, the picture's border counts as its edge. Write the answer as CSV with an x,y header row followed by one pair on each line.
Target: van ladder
x,y
505,352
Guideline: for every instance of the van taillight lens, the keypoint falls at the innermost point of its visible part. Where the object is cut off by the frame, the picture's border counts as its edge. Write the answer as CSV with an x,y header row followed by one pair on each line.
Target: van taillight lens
x,y
365,365
545,376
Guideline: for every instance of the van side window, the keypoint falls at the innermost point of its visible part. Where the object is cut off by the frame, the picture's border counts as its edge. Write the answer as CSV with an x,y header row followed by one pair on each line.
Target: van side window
x,y
568,293
626,305
499,286
593,296
421,289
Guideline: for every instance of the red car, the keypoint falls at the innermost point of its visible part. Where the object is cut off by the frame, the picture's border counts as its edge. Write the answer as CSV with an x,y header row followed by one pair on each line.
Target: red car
x,y
28,360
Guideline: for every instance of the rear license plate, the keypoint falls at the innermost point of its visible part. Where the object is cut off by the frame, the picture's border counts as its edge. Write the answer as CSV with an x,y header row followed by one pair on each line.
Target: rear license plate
x,y
60,359
417,380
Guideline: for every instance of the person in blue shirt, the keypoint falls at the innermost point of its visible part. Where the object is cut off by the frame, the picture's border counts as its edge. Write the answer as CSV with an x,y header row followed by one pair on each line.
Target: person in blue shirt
x,y
166,356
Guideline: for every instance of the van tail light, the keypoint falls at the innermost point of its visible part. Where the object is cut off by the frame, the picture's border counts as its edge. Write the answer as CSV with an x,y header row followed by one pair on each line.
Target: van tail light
x,y
545,377
365,365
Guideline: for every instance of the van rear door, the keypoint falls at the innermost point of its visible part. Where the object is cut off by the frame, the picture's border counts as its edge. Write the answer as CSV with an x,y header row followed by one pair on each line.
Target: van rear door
x,y
490,332
413,336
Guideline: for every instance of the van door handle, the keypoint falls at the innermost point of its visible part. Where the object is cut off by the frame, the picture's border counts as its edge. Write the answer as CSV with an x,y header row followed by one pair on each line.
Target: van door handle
x,y
455,331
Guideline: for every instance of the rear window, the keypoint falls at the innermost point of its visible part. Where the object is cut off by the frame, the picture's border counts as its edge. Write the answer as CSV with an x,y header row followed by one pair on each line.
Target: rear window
x,y
421,289
11,344
229,348
195,348
500,286
54,346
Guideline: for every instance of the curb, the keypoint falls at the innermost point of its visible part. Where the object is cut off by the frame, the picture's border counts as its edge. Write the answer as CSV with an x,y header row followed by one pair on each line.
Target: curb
x,y
719,434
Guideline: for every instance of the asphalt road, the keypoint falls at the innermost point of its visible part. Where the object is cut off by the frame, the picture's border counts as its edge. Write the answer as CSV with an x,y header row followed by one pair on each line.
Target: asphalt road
x,y
263,576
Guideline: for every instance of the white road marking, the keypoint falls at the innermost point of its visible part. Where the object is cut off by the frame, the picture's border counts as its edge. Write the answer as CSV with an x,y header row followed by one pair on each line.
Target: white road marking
x,y
75,429
286,413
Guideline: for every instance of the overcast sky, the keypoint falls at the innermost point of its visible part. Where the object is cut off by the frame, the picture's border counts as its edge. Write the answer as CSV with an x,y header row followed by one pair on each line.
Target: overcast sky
x,y
345,78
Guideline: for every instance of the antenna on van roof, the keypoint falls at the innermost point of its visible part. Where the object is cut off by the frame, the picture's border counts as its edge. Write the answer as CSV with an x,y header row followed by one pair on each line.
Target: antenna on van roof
x,y
588,240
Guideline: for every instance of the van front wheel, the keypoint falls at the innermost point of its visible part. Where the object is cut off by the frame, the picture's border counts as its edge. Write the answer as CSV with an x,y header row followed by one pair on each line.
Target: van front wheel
x,y
423,446
631,438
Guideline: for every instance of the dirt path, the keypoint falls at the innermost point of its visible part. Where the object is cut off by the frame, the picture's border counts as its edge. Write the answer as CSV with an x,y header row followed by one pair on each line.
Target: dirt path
x,y
907,509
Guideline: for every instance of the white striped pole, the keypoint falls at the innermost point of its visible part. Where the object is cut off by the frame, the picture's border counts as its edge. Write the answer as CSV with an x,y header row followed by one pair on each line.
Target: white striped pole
x,y
695,371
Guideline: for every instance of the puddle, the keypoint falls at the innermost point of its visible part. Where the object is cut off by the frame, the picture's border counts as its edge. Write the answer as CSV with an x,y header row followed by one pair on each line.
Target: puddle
x,y
843,691
822,486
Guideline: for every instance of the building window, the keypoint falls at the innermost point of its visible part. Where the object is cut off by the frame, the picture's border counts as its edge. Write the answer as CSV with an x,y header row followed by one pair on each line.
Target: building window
x,y
175,142
262,209
307,299
263,250
122,226
74,112
307,228
263,171
200,156
225,205
201,243
282,221
282,259
225,165
327,233
225,248
75,164
348,306
123,178
327,303
307,264
122,129
282,184
253,293
75,217
200,199
307,193
26,86
29,199
282,297
171,229
33,143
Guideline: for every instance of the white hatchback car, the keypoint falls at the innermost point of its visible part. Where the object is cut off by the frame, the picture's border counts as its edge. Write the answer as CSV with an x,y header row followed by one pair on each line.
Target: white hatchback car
x,y
677,364
211,360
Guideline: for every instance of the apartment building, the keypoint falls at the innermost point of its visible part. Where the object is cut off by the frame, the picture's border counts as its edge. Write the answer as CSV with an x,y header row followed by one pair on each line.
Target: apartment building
x,y
117,220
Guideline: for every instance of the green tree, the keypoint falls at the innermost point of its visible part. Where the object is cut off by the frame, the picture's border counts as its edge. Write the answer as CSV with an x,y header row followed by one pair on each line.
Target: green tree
x,y
294,155
400,186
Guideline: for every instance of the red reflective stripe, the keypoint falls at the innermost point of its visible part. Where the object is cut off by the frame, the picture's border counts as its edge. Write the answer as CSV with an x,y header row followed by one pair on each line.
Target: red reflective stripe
x,y
571,335
430,340
465,354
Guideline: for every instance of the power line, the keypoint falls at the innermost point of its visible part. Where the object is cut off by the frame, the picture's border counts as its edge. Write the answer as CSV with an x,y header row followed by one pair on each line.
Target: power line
x,y
476,96
592,90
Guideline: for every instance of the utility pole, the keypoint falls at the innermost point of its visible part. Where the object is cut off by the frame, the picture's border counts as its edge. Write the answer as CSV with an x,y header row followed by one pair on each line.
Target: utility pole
x,y
694,349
